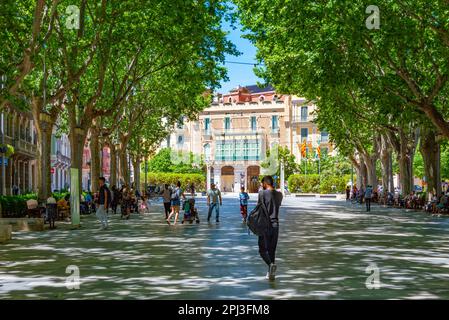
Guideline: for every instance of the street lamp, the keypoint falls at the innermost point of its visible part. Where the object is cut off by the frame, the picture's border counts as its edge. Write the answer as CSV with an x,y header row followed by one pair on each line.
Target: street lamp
x,y
209,164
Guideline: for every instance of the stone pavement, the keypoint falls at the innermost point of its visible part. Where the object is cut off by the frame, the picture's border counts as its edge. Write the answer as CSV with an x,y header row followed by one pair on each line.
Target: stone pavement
x,y
325,248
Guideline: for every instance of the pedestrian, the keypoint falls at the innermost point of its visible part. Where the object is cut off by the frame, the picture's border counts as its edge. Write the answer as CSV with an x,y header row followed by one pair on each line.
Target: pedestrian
x,y
104,201
192,190
126,202
176,202
166,196
214,202
272,200
368,196
348,192
115,199
243,196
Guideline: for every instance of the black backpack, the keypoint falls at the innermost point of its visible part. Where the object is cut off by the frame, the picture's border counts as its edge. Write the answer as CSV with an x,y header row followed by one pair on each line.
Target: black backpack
x,y
258,220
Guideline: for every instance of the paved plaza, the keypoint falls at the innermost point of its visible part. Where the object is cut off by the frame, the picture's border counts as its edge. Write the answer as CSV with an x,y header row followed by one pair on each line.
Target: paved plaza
x,y
325,247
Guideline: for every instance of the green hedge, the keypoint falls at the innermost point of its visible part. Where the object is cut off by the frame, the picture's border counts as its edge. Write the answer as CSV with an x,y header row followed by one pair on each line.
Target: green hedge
x,y
313,183
15,206
160,178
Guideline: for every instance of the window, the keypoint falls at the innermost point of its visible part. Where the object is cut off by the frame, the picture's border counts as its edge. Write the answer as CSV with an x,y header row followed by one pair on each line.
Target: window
x,y
253,123
237,150
304,134
227,123
324,136
207,125
180,139
262,98
274,123
304,113
230,100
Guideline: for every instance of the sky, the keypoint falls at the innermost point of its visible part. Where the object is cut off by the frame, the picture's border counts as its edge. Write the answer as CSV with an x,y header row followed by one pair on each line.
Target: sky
x,y
239,74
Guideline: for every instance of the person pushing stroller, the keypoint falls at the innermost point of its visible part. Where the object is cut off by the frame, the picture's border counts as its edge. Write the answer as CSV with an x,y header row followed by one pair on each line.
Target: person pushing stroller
x,y
190,211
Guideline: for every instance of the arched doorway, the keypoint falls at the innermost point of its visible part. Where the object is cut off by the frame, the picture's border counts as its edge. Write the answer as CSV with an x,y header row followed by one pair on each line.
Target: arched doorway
x,y
227,179
253,182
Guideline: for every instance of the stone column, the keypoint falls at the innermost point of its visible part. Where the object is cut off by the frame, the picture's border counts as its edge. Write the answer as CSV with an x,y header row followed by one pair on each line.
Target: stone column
x,y
30,176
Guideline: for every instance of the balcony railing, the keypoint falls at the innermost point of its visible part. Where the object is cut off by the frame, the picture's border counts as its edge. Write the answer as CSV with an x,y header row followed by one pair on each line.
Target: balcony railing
x,y
62,158
234,132
301,119
22,146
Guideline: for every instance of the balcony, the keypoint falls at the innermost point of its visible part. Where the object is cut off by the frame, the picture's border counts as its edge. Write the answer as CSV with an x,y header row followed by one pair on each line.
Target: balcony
x,y
301,119
62,158
275,132
207,135
237,132
22,147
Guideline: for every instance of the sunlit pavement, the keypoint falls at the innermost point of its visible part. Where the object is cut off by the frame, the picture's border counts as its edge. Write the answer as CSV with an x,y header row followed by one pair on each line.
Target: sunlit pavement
x,y
324,250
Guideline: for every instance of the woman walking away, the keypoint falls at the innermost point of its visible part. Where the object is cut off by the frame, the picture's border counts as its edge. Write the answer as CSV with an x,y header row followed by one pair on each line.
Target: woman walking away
x,y
166,196
176,202
243,203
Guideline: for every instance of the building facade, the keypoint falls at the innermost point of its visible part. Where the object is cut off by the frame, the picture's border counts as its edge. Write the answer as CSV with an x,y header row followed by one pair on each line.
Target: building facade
x,y
304,130
21,167
235,132
60,162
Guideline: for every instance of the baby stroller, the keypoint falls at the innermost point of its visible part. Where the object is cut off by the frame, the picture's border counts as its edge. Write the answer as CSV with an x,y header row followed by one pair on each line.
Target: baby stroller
x,y
190,212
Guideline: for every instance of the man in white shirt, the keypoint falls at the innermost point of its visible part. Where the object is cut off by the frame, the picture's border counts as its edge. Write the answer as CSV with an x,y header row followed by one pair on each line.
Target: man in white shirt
x,y
214,202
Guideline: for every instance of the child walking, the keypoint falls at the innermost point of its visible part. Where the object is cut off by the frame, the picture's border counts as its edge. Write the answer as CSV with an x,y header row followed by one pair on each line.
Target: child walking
x,y
243,203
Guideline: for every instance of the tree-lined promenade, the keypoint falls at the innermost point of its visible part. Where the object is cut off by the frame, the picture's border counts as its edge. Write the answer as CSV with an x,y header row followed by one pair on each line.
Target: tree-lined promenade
x,y
378,73
122,74
117,72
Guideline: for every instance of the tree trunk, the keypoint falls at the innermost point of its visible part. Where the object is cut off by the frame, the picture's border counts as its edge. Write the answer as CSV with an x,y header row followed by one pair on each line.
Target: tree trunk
x,y
44,129
124,167
95,159
385,159
406,175
113,169
370,163
77,138
136,164
430,152
362,176
391,173
406,153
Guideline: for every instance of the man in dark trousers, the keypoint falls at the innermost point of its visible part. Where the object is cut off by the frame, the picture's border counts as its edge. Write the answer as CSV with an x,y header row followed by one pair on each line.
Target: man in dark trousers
x,y
104,199
268,242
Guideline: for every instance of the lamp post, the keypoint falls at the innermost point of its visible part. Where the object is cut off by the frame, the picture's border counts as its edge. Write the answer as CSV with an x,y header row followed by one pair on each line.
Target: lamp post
x,y
209,164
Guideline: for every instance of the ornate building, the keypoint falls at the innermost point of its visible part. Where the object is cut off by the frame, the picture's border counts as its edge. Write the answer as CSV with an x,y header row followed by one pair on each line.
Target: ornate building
x,y
60,162
21,167
236,131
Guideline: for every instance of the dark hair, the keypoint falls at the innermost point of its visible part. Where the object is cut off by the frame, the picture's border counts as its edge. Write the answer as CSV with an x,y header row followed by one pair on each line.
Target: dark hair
x,y
102,179
166,186
178,183
242,188
268,180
